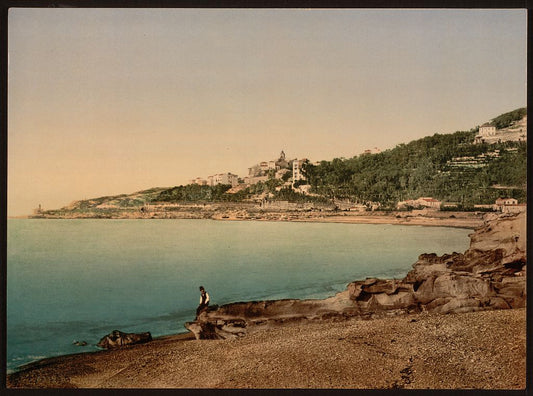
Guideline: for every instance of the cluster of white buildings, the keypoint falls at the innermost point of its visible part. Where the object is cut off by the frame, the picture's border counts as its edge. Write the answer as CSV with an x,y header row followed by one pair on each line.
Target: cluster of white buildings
x,y
259,172
219,178
504,205
263,170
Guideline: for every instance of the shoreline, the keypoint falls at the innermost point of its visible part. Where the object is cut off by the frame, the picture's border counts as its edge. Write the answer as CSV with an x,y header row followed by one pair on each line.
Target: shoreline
x,y
467,220
392,220
51,360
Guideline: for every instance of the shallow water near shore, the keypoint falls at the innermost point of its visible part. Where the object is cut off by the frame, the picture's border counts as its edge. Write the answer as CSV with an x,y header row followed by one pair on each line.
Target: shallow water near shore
x,y
77,280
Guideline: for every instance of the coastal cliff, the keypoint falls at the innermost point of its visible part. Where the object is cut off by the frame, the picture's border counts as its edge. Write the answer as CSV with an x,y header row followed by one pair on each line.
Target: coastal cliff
x,y
489,275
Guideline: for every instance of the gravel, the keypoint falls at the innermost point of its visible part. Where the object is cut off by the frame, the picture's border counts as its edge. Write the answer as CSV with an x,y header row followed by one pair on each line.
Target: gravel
x,y
479,350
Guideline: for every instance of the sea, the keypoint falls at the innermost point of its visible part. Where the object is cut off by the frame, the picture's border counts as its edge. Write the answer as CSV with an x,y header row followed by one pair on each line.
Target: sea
x,y
78,280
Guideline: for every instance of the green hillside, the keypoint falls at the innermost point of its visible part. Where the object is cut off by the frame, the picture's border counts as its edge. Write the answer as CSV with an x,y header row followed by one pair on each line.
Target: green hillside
x,y
447,167
505,120
118,202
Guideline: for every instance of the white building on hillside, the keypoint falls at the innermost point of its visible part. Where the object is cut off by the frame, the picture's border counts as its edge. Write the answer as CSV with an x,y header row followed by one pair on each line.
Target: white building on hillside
x,y
264,167
426,202
509,205
506,201
223,178
297,170
487,130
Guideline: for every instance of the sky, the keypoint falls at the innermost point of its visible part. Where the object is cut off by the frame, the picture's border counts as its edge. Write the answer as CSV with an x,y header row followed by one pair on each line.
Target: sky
x,y
111,101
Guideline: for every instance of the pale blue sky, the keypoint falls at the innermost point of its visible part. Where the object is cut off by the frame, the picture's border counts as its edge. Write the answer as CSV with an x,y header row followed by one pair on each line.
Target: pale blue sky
x,y
109,101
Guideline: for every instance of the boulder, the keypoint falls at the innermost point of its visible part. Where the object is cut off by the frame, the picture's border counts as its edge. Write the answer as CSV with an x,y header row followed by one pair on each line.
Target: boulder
x,y
498,303
194,328
434,304
459,305
117,339
452,285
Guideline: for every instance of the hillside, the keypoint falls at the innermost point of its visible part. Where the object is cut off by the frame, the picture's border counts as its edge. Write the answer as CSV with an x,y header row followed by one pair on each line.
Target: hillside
x,y
449,167
114,202
506,120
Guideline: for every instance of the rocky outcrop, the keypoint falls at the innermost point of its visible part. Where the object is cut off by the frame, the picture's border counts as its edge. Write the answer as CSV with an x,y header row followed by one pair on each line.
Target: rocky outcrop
x,y
233,320
117,339
216,329
489,275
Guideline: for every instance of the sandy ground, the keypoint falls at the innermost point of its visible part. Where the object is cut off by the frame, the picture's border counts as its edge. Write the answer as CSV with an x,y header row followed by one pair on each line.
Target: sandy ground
x,y
469,222
470,350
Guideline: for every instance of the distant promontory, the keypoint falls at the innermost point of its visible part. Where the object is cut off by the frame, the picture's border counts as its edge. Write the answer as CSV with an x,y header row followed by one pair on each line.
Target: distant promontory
x,y
476,171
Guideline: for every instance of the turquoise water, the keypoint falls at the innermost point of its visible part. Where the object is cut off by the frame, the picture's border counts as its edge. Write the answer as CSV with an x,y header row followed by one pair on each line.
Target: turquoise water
x,y
80,279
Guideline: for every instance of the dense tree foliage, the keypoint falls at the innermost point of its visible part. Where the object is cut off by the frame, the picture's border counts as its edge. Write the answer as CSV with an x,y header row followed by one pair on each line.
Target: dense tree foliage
x,y
424,168
264,187
506,119
197,193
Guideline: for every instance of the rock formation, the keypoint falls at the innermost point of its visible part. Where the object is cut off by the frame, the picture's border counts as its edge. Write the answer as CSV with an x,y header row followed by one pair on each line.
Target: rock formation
x,y
117,339
489,275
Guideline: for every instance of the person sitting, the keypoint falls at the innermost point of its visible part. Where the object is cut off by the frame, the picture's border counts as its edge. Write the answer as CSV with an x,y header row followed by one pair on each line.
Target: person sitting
x,y
204,301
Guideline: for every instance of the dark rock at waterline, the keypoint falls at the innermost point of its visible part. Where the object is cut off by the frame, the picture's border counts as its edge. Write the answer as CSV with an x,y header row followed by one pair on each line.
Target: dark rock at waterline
x,y
489,275
117,339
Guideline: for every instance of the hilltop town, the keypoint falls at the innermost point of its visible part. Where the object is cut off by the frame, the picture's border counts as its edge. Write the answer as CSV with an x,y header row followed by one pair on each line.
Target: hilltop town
x,y
287,170
446,176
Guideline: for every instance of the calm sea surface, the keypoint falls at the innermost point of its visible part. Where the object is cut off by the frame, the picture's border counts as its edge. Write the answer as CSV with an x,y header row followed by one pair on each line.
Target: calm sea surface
x,y
74,280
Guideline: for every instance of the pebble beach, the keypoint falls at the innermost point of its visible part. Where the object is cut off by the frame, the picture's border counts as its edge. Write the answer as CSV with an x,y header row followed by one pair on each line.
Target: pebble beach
x,y
478,350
